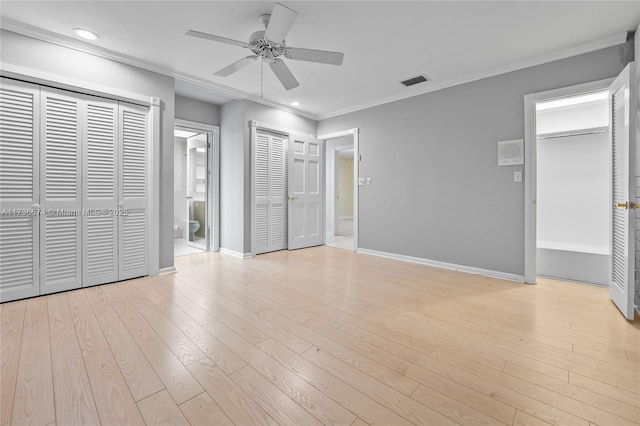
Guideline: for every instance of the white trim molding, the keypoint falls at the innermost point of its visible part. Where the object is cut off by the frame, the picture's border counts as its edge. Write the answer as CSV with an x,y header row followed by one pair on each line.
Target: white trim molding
x,y
153,212
557,55
235,254
444,265
167,270
61,40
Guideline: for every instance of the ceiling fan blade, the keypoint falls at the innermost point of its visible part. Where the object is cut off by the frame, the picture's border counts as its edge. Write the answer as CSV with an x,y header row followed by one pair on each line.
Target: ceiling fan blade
x,y
228,70
212,37
311,55
281,21
283,73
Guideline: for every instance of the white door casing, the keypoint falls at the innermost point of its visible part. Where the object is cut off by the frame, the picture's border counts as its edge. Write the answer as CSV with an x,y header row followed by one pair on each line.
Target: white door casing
x,y
133,191
623,94
305,192
100,191
60,186
19,189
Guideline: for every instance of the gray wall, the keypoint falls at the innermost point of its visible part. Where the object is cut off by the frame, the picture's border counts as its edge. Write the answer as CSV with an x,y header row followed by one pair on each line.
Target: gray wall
x,y
437,192
232,176
41,56
198,111
235,165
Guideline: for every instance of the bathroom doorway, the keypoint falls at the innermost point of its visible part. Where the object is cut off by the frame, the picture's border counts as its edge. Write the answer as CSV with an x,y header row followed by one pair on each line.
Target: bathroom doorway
x,y
195,188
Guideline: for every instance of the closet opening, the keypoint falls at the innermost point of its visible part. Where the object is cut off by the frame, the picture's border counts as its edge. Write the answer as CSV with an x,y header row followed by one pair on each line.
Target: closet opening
x,y
572,188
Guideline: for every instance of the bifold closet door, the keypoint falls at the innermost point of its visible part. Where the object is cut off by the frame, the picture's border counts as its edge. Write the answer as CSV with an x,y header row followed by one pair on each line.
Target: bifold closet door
x,y
132,191
270,192
60,190
99,194
19,189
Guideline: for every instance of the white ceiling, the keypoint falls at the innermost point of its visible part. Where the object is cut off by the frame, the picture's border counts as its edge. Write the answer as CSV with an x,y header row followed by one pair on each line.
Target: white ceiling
x,y
384,42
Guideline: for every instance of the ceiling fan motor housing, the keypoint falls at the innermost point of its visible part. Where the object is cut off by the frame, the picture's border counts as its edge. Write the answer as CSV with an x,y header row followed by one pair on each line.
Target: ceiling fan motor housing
x,y
261,46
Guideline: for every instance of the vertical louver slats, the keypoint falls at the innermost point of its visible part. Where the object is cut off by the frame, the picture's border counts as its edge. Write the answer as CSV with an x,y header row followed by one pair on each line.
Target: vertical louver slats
x,y
134,147
132,252
16,144
100,152
100,233
61,255
61,157
270,192
16,252
80,162
100,253
19,177
620,142
134,241
262,166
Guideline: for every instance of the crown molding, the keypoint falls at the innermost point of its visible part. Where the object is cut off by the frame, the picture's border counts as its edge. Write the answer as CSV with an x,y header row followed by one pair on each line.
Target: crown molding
x,y
557,55
71,43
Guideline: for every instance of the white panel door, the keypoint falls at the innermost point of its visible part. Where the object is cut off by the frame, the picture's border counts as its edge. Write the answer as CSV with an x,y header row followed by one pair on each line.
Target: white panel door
x,y
623,95
19,189
99,193
305,192
60,191
270,192
132,153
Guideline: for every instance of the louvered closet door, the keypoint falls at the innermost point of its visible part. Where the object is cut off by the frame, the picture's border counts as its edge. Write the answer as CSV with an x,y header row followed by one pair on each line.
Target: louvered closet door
x,y
270,186
60,196
19,197
132,256
99,201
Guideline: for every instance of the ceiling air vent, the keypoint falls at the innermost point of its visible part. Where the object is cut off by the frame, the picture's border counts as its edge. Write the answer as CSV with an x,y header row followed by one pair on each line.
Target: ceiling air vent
x,y
415,80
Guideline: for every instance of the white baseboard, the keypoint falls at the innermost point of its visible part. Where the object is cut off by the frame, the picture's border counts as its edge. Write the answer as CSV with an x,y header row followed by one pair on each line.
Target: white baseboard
x,y
445,265
234,253
167,270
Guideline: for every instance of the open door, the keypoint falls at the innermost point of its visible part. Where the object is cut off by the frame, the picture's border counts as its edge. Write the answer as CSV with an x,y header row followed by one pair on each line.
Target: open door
x,y
622,98
305,192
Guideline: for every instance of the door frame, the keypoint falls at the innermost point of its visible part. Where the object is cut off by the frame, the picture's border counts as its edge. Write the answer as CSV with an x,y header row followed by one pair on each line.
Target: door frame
x,y
254,127
530,164
213,179
355,133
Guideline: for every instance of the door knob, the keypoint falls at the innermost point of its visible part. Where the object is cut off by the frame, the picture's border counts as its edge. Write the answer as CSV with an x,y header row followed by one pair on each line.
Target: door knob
x,y
291,198
622,205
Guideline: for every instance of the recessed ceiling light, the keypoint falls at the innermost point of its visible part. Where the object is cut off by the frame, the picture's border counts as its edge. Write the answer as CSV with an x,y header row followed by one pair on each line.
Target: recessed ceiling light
x,y
295,103
86,34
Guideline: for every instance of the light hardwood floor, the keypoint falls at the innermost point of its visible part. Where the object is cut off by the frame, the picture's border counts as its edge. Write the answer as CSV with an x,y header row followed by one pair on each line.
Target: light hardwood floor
x,y
319,336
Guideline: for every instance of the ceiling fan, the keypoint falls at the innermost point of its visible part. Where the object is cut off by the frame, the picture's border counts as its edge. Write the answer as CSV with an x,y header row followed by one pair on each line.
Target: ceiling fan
x,y
269,46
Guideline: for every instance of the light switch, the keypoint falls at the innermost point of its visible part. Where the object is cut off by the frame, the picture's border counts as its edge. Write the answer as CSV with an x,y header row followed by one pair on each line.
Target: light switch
x,y
517,176
368,181
361,181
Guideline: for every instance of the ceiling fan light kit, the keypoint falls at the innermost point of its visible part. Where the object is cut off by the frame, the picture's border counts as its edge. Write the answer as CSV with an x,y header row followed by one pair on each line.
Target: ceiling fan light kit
x,y
269,46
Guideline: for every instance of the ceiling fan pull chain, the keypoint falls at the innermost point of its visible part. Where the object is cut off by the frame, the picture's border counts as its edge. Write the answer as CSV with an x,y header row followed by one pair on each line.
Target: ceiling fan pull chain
x,y
261,75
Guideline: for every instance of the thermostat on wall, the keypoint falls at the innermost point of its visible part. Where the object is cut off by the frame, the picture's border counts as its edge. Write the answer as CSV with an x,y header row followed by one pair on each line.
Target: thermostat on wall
x,y
511,153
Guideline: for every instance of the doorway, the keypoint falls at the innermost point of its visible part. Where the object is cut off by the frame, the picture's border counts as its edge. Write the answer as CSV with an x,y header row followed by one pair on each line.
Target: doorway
x,y
572,169
341,196
195,188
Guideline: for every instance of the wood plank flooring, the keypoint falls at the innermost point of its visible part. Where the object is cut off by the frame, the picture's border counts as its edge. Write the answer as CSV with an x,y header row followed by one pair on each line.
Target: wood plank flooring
x,y
319,336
